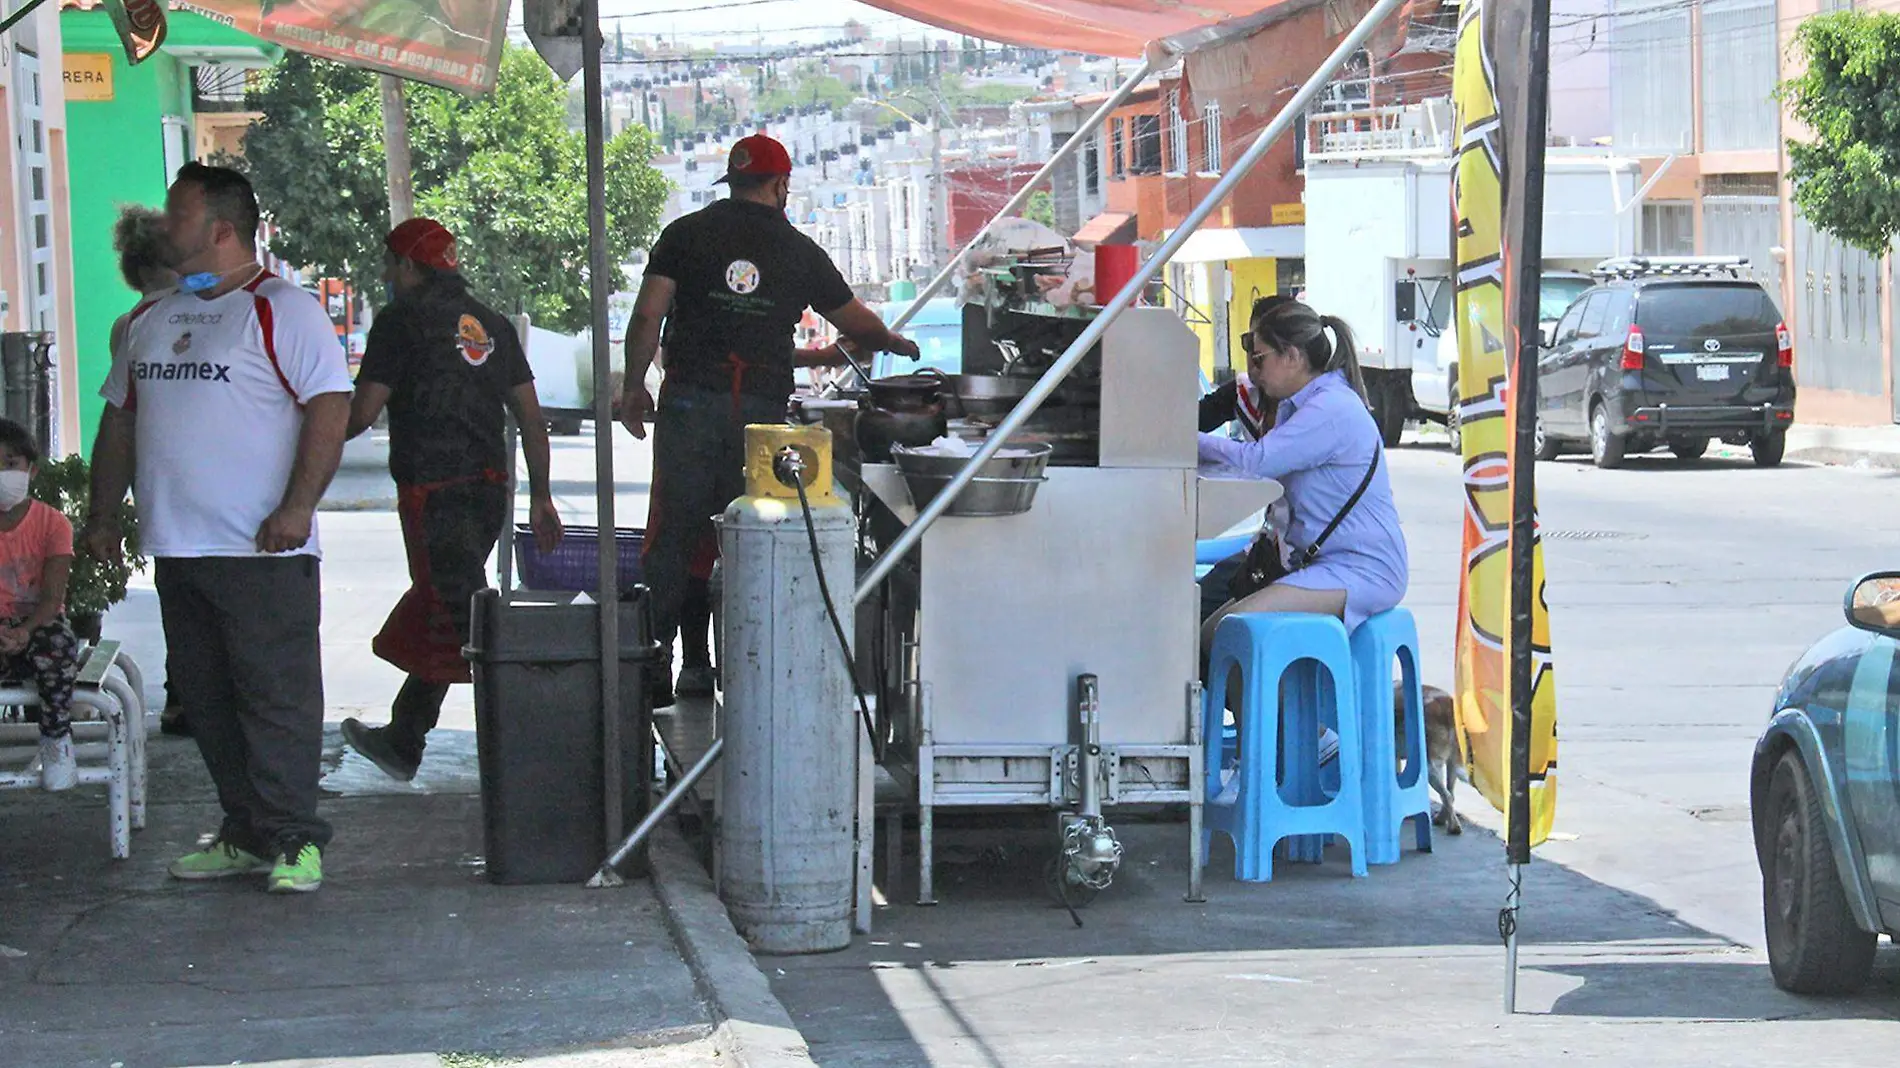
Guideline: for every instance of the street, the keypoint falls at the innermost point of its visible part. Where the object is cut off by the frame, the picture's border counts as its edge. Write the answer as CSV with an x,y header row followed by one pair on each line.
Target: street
x,y
1679,593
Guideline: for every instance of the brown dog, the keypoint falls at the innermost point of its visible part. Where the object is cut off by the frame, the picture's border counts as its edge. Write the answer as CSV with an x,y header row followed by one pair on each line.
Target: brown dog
x,y
1444,757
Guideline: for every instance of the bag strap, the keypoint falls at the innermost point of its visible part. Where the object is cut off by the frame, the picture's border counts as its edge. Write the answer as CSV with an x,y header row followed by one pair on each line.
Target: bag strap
x,y
1311,552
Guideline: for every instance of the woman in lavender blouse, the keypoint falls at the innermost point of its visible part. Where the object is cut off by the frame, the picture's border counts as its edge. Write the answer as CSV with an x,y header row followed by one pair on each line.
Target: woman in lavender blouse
x,y
1322,442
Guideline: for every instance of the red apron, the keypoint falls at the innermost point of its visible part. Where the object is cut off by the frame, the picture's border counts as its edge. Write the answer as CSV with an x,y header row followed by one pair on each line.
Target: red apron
x,y
423,636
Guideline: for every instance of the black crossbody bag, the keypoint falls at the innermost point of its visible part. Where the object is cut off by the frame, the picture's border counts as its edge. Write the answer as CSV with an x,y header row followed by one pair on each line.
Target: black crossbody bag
x,y
1266,563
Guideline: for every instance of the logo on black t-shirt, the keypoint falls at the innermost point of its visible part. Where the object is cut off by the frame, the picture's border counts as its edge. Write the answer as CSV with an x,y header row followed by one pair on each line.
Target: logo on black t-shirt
x,y
472,338
742,277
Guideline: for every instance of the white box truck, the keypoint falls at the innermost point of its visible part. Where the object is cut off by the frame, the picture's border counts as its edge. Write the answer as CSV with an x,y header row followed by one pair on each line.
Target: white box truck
x,y
1379,255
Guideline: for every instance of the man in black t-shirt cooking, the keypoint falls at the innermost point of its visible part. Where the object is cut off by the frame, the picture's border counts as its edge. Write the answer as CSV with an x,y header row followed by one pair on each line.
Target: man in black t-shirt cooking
x,y
446,366
730,282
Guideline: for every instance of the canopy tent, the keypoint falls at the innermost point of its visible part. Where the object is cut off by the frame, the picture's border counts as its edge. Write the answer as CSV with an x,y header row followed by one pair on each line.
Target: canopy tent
x,y
1101,27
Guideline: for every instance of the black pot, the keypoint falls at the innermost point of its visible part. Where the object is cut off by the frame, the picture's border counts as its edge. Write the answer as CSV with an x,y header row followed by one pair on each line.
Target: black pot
x,y
919,392
87,625
878,429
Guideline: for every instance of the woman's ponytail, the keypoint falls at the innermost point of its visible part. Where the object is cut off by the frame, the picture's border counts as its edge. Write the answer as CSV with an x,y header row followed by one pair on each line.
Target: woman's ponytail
x,y
1345,353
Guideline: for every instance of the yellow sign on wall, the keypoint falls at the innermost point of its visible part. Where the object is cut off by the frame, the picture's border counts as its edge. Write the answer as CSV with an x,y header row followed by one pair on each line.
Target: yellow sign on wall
x,y
88,76
1289,214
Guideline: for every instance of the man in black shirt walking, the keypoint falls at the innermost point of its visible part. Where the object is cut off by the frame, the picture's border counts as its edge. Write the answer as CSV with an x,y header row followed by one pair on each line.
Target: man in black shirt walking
x,y
730,282
446,366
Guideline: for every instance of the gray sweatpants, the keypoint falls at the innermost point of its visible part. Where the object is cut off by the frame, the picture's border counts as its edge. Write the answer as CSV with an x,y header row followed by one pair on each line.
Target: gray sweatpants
x,y
242,637
698,469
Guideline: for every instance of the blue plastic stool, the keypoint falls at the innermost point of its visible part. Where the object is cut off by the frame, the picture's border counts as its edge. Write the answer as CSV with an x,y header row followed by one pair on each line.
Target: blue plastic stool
x,y
1391,796
1245,798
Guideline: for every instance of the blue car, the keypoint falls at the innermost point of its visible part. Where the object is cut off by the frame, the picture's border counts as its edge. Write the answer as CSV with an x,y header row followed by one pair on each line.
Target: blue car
x,y
1825,796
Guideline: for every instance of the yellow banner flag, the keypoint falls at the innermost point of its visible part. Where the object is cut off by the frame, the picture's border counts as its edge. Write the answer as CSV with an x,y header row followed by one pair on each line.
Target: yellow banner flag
x,y
1491,153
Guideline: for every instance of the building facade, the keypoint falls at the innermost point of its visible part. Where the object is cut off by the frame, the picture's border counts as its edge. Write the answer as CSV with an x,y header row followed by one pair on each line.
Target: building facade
x,y
130,134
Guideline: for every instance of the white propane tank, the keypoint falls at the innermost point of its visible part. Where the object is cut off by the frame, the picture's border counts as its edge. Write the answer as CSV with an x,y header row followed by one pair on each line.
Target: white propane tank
x,y
787,802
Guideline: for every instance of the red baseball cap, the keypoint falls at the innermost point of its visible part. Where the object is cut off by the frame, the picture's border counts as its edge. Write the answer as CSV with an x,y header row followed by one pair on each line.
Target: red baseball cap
x,y
757,154
426,241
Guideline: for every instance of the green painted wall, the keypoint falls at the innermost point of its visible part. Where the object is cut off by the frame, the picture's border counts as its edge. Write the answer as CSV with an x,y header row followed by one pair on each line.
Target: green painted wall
x,y
116,155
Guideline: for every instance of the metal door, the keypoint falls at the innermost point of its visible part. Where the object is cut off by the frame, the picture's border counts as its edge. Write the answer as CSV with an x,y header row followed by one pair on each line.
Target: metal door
x,y
1837,293
35,178
40,296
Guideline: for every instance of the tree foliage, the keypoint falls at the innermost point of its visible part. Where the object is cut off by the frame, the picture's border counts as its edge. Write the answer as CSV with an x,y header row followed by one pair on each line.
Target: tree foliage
x,y
1847,178
502,171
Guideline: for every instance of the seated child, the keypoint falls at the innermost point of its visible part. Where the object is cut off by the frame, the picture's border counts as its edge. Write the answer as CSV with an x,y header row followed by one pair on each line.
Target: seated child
x,y
36,559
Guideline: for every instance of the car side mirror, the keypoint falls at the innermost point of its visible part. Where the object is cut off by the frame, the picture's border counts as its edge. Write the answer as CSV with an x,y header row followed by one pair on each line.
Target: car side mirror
x,y
1547,334
1405,301
1873,604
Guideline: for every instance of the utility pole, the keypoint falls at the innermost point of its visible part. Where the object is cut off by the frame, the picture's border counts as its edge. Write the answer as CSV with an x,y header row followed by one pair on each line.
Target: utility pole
x,y
939,198
402,197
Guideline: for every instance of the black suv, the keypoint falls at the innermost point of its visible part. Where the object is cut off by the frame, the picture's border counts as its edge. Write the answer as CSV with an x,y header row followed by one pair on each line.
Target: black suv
x,y
1667,351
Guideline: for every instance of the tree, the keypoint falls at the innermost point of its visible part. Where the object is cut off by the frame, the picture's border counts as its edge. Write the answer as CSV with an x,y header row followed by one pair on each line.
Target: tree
x,y
502,171
1847,179
1041,208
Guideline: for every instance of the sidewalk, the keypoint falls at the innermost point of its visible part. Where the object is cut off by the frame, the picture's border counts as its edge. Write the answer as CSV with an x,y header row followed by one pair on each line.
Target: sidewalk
x,y
408,957
1855,446
1313,969
407,952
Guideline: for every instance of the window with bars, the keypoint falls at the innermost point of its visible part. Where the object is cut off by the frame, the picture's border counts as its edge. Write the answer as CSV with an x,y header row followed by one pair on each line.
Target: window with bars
x,y
1147,145
1668,228
1738,75
1651,100
1214,138
1177,134
1117,148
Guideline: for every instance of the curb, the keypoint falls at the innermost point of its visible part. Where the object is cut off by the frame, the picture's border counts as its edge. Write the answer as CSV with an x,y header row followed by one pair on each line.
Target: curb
x,y
1839,457
750,1025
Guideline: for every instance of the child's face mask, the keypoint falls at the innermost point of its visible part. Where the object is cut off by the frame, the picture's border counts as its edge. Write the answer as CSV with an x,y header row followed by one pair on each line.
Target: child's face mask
x,y
13,488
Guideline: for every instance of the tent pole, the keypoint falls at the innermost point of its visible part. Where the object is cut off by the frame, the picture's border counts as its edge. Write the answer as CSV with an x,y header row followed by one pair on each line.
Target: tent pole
x,y
599,284
1062,155
1052,378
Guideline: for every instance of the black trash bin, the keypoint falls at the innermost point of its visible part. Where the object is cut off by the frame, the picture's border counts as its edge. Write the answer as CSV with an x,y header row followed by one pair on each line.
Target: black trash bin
x,y
538,735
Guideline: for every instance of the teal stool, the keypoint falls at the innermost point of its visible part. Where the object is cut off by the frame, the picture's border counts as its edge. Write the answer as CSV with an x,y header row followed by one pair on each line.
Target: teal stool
x,y
1391,796
1246,800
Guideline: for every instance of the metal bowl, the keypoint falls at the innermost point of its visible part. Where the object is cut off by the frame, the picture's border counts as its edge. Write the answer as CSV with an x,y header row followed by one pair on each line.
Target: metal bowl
x,y
991,396
1004,485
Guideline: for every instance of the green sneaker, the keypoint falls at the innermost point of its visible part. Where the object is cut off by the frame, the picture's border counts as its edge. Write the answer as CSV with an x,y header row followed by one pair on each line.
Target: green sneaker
x,y
300,875
220,860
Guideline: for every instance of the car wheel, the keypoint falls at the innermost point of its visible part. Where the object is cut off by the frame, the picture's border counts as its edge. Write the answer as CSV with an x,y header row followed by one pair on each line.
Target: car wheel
x,y
565,426
1689,448
1606,449
1454,427
1769,448
1814,945
1547,446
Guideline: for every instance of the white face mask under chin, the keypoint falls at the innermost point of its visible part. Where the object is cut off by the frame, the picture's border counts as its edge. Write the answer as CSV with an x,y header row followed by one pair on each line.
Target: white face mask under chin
x,y
13,488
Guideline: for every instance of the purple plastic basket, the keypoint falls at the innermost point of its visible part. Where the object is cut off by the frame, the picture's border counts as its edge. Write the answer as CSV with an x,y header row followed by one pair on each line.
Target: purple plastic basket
x,y
575,563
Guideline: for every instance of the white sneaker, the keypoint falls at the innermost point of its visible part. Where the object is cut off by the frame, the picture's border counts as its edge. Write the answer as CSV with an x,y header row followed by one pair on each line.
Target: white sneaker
x,y
58,769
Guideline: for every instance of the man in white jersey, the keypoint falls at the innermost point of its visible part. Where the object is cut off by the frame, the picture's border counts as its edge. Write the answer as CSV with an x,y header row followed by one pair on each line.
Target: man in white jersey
x,y
231,399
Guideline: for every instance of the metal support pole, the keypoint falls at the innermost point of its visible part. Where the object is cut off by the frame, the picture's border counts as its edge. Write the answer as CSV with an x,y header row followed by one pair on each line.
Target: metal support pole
x,y
1509,923
607,876
1052,378
1528,193
1062,155
599,287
